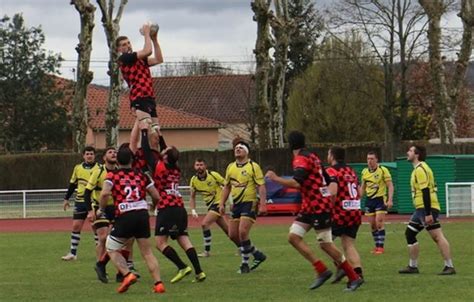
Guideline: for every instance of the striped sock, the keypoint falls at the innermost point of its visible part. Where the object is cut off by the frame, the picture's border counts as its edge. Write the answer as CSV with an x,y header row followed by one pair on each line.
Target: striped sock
x,y
381,238
207,240
96,239
75,238
375,236
246,249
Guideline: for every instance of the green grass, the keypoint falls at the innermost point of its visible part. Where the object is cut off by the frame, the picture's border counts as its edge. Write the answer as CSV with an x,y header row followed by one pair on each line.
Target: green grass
x,y
32,270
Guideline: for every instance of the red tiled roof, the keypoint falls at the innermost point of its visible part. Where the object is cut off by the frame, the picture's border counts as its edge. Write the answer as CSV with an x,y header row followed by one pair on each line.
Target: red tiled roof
x,y
170,118
224,98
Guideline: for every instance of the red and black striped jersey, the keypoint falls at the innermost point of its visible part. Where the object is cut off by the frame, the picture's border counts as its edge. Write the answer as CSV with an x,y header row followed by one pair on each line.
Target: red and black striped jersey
x,y
346,210
136,72
166,182
309,173
128,189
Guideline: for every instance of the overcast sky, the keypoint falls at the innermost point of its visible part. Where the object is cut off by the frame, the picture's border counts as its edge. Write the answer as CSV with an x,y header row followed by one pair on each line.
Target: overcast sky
x,y
215,29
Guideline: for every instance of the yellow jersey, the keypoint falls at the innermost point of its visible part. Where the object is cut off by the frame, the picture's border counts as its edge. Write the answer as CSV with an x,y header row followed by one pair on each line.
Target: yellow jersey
x,y
422,177
80,176
244,179
210,187
95,183
375,182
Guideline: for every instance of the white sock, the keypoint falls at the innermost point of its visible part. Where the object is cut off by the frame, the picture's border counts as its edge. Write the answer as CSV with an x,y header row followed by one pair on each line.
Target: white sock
x,y
413,263
448,263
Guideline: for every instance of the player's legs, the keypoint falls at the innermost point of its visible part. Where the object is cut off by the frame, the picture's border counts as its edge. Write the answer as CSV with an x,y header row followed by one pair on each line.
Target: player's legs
x,y
295,238
222,223
150,260
380,231
102,233
78,217
349,248
443,245
210,218
414,227
188,247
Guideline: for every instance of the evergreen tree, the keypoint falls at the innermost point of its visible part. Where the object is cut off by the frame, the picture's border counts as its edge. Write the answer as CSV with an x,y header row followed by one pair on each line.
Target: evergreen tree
x,y
31,114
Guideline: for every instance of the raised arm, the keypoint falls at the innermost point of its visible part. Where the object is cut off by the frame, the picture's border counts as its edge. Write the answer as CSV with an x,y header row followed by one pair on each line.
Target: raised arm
x,y
158,56
147,47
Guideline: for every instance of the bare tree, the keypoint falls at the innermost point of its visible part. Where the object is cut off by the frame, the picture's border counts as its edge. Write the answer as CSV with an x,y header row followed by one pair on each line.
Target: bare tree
x,y
83,75
282,26
447,98
393,29
263,44
112,27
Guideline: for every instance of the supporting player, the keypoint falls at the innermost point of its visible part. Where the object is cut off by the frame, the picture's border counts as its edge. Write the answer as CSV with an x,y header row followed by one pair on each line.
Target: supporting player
x,y
128,188
172,219
79,179
316,207
425,200
209,184
377,185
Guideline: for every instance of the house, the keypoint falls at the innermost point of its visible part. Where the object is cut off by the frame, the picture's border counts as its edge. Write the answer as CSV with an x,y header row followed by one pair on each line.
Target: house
x,y
186,131
228,99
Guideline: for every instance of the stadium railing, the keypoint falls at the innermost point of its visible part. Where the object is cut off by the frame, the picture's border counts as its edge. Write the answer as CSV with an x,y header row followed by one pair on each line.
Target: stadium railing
x,y
49,203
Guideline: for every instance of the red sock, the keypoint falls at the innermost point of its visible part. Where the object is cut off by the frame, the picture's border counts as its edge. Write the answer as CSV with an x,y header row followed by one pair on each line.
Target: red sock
x,y
125,254
105,258
351,274
319,267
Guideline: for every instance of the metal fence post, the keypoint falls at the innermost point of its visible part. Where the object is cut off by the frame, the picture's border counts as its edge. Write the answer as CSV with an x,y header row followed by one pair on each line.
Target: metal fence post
x,y
24,204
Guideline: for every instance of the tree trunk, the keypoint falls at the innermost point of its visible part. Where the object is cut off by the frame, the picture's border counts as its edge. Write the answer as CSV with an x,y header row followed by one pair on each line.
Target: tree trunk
x,y
282,27
263,44
83,74
435,9
467,17
112,28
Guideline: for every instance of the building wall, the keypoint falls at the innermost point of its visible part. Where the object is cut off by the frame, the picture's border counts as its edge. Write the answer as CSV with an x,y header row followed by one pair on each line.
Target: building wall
x,y
183,139
231,131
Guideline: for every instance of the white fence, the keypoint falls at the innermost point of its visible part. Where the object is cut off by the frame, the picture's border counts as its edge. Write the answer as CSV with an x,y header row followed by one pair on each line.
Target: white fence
x,y
49,203
459,199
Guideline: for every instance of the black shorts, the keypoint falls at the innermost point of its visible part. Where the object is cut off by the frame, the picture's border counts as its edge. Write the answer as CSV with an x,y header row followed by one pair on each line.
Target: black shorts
x,y
132,224
105,219
245,209
80,211
147,105
319,221
350,231
172,221
375,205
214,208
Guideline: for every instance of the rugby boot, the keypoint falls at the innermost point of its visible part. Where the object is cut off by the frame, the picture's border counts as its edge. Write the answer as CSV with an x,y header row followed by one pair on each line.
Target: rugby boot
x,y
409,270
323,277
126,283
354,285
200,277
244,269
448,271
181,274
69,257
258,259
101,273
339,275
159,288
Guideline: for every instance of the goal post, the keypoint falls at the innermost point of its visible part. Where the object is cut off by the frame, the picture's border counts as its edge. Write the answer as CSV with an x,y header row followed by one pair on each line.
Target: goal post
x,y
459,199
